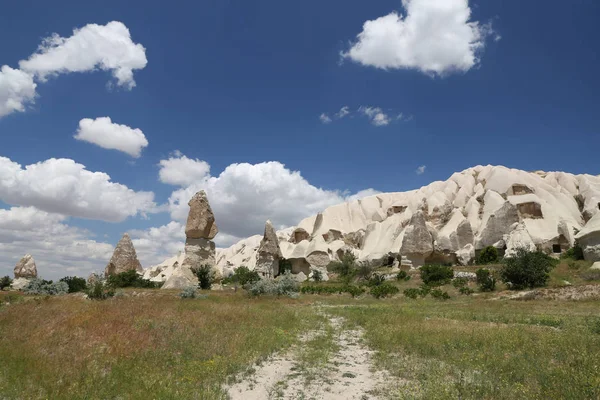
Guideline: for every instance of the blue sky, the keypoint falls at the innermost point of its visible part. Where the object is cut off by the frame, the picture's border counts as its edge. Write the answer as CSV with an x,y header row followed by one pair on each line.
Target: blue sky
x,y
231,82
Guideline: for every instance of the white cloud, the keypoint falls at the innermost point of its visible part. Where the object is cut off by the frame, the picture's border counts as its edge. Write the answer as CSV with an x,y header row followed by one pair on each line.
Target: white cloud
x,y
59,249
179,170
324,118
421,170
17,89
343,112
376,115
154,245
435,37
65,187
108,135
244,196
106,47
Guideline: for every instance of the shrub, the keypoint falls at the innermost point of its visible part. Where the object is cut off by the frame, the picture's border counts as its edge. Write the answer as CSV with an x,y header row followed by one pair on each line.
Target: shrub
x,y
5,282
243,276
574,253
365,270
527,269
412,293
376,280
130,279
205,276
485,280
383,290
346,268
439,294
488,255
284,266
75,283
467,291
188,293
402,276
436,275
47,288
285,285
460,282
332,289
317,275
424,290
99,291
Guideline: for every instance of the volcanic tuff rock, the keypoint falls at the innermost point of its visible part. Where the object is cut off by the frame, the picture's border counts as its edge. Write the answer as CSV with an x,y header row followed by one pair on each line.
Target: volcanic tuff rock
x,y
201,220
268,254
124,258
444,221
26,267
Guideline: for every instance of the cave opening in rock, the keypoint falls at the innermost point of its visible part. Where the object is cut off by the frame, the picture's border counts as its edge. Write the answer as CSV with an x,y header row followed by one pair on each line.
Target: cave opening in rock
x,y
556,249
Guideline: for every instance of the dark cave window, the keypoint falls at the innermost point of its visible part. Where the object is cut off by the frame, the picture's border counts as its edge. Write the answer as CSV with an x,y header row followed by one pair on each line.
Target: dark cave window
x,y
556,248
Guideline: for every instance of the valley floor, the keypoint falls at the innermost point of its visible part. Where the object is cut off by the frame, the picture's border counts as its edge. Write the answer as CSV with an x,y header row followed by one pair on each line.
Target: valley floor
x,y
152,344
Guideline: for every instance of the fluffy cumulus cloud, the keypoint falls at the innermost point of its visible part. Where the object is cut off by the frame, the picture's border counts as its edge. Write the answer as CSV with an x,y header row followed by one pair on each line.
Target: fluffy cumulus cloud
x,y
65,187
421,170
108,135
244,196
59,249
106,47
179,170
435,37
17,89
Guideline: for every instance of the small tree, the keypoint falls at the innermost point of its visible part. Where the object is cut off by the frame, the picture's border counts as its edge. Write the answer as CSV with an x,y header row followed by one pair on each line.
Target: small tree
x,y
205,276
5,282
485,280
436,275
488,255
527,269
346,268
285,265
75,283
574,253
243,276
99,291
317,275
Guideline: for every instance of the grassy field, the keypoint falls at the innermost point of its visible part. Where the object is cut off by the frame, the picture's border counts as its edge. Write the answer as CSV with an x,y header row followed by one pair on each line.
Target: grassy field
x,y
152,344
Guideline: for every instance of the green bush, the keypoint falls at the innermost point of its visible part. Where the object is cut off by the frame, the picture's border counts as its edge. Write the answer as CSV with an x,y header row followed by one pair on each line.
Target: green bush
x,y
5,282
460,282
412,293
424,290
384,290
485,280
403,276
188,293
205,277
284,266
467,291
285,285
346,268
488,255
376,280
243,276
364,270
527,269
99,291
439,294
436,275
317,275
332,289
130,279
47,288
75,283
574,253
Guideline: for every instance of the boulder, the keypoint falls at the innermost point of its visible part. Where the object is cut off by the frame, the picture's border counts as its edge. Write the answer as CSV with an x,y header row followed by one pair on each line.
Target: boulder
x,y
201,220
199,252
124,258
466,254
181,278
518,239
596,266
19,283
269,253
26,267
589,239
497,225
417,243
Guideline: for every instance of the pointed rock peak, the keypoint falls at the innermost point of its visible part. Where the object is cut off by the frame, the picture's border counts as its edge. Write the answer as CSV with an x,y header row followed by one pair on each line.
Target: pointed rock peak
x,y
26,267
201,220
124,258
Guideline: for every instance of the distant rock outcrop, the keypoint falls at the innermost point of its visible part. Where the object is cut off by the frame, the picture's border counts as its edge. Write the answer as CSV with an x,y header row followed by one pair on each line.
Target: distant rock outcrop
x,y
201,220
269,253
124,258
589,238
26,268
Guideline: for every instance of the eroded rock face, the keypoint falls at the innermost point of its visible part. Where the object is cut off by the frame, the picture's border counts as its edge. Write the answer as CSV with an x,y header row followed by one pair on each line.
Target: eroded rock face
x,y
201,220
199,252
497,225
26,268
124,258
418,242
269,253
589,239
181,278
299,235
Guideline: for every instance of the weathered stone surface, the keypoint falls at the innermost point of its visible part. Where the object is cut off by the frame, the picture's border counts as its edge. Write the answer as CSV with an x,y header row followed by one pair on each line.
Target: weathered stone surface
x,y
19,283
466,254
199,252
417,243
596,266
201,220
124,258
589,239
299,235
181,278
269,253
497,225
26,267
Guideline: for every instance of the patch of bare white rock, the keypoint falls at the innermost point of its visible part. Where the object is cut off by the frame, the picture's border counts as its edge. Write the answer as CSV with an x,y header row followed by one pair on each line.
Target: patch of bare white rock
x,y
443,222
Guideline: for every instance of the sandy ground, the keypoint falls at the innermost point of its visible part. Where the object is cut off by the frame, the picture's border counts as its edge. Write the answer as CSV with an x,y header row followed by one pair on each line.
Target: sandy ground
x,y
348,374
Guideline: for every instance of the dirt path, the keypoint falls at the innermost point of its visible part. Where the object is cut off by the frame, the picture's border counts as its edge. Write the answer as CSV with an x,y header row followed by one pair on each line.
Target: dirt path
x,y
330,363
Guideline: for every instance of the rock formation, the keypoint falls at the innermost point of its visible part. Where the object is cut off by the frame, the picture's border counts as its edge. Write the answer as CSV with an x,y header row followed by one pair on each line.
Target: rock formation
x,y
200,229
268,254
124,258
443,221
26,268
